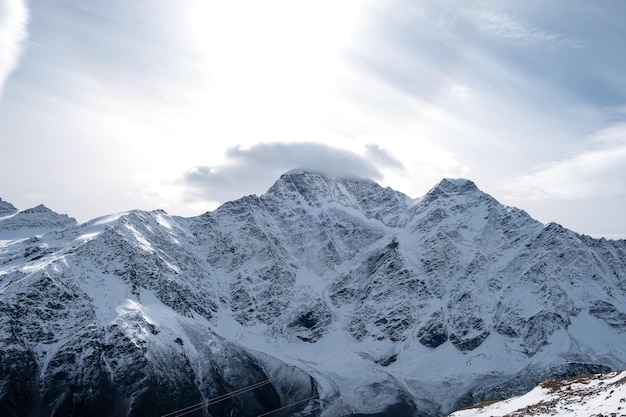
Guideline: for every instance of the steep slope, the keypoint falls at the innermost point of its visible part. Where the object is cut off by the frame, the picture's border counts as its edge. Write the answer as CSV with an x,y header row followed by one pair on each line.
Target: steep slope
x,y
335,295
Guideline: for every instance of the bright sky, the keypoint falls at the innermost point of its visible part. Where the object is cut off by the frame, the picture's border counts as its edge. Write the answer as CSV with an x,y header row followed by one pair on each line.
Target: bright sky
x,y
111,106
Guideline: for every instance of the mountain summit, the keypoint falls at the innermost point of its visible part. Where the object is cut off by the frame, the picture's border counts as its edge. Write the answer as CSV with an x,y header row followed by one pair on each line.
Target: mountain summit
x,y
454,186
322,297
32,218
6,208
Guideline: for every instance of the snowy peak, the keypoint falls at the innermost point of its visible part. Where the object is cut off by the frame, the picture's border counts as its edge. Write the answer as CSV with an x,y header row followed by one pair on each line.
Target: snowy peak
x,y
40,218
321,175
319,191
38,209
43,216
6,208
316,188
451,186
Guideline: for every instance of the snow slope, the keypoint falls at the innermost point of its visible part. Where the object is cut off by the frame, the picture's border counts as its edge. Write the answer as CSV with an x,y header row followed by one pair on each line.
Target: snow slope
x,y
335,295
588,395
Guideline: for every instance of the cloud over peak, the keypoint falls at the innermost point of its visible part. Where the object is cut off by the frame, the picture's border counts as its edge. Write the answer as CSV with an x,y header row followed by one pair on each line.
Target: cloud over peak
x,y
254,169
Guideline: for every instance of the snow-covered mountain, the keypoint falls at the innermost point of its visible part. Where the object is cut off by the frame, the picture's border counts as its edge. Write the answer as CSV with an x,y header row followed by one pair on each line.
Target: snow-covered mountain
x,y
324,296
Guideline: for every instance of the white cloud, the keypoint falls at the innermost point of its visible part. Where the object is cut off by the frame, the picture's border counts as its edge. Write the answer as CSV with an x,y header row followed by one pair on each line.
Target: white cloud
x,y
13,20
460,92
597,170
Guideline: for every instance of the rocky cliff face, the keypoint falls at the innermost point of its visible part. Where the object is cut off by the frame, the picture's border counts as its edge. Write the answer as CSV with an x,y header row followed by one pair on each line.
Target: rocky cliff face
x,y
324,296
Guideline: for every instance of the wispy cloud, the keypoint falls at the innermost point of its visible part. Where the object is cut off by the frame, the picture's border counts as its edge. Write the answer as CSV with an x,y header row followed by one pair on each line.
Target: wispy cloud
x,y
597,170
460,92
466,21
495,22
506,27
13,20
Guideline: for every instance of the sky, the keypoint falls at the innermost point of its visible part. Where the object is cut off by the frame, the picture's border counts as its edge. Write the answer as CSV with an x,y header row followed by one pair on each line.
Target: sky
x,y
146,104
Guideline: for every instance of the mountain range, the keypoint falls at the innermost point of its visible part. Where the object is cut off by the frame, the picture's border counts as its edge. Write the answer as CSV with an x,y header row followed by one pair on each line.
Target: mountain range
x,y
322,297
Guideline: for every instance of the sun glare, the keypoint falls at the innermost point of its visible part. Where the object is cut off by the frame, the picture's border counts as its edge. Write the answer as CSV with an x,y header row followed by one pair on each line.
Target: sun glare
x,y
272,57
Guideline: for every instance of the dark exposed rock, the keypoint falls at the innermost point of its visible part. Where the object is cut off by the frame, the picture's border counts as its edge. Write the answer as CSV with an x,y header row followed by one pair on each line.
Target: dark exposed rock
x,y
468,343
310,322
539,328
607,312
433,333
